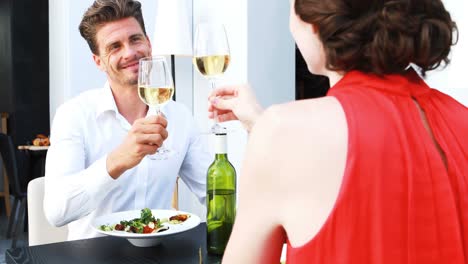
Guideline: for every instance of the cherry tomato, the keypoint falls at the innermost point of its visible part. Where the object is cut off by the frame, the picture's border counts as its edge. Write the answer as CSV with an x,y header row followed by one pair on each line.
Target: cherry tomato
x,y
147,230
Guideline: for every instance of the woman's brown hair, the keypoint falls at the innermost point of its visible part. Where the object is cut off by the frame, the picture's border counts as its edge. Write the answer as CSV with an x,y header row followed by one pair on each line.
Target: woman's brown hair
x,y
104,11
381,36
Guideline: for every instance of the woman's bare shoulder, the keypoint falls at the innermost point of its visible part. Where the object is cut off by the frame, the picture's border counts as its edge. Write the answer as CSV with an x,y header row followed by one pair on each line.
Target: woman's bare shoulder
x,y
320,108
303,115
302,130
299,148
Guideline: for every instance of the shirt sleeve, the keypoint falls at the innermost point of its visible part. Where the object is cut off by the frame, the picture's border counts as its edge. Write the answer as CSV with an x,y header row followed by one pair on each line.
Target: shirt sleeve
x,y
196,163
72,191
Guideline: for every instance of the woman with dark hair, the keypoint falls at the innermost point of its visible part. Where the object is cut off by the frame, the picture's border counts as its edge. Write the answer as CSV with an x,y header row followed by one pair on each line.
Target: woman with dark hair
x,y
374,172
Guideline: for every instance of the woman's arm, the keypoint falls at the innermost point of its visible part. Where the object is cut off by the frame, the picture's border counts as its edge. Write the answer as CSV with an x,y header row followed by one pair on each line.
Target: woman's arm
x,y
258,235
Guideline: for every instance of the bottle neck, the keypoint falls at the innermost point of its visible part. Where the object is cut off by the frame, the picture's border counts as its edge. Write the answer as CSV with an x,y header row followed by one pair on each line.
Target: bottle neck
x,y
221,156
221,146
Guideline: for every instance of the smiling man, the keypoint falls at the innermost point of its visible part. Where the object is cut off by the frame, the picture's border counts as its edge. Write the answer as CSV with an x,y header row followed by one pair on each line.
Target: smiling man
x,y
96,163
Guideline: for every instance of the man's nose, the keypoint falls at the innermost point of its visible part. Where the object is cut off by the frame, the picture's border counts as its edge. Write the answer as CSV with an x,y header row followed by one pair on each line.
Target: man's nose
x,y
129,51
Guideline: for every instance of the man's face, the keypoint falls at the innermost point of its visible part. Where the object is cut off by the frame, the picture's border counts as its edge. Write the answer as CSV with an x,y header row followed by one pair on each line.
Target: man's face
x,y
121,44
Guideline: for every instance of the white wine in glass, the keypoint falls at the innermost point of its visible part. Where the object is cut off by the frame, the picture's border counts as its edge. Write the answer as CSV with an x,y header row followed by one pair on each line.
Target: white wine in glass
x,y
212,66
212,57
155,88
155,95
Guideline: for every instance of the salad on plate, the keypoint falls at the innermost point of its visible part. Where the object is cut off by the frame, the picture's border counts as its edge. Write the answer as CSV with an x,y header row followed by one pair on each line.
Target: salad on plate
x,y
145,224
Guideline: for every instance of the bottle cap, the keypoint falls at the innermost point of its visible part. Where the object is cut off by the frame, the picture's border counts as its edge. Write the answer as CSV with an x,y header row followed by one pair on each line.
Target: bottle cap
x,y
220,143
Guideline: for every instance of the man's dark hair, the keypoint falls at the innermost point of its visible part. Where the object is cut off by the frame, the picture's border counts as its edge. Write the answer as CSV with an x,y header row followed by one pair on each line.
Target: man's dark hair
x,y
104,11
381,36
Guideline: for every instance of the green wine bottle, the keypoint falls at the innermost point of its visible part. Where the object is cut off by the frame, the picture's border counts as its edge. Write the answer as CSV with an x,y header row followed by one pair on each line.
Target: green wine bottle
x,y
221,198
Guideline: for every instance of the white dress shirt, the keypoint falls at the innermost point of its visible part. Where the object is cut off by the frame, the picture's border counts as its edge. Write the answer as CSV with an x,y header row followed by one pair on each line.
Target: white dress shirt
x,y
78,187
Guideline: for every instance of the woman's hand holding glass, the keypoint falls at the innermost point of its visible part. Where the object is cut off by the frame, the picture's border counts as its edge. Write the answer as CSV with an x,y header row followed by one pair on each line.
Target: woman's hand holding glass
x,y
234,103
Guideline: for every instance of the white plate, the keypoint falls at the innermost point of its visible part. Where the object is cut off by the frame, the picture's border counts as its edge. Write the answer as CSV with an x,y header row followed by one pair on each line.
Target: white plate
x,y
38,147
145,240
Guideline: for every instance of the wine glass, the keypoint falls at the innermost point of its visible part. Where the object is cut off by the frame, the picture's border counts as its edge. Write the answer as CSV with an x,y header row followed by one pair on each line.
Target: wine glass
x,y
211,58
155,88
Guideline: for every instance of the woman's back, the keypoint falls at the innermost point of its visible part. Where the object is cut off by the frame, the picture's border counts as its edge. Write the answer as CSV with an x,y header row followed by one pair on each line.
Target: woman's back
x,y
377,172
401,194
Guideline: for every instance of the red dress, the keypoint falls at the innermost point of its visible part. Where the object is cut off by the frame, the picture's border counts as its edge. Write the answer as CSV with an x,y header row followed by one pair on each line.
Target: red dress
x,y
398,202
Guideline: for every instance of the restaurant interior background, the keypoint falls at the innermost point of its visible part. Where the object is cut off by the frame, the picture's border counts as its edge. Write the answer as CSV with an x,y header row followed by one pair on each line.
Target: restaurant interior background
x,y
262,53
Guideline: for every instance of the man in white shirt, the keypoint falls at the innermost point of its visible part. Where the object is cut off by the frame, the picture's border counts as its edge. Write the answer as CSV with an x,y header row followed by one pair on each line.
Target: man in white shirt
x,y
96,163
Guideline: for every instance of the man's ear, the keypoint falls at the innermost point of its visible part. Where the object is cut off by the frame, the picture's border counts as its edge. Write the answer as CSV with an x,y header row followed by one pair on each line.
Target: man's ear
x,y
98,62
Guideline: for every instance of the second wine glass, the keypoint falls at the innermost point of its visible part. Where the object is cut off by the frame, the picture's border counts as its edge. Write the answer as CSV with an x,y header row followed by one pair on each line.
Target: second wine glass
x,y
212,57
155,88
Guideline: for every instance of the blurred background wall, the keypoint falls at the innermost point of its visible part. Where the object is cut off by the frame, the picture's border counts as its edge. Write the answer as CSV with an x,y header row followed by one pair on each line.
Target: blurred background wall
x,y
452,80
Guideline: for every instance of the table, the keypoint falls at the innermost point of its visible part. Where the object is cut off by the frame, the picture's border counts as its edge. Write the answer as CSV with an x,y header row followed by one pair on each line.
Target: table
x,y
37,159
187,247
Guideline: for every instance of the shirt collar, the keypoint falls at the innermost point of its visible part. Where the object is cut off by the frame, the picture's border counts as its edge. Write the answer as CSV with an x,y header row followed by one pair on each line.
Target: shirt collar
x,y
107,101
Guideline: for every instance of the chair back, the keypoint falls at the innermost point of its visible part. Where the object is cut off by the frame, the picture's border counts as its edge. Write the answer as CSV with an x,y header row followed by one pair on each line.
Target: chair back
x,y
40,231
15,165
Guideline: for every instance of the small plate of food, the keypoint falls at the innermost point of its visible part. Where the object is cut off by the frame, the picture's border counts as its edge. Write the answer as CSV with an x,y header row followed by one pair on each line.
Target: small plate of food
x,y
145,228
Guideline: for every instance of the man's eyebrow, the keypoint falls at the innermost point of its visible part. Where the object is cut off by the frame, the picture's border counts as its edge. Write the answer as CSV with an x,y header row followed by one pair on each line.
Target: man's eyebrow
x,y
110,44
137,35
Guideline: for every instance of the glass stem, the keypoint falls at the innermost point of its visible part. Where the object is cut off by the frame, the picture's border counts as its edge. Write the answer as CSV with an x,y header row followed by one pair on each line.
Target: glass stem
x,y
215,113
154,110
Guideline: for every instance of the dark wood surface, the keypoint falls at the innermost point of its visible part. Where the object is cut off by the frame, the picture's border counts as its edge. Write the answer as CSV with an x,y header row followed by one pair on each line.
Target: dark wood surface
x,y
187,247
